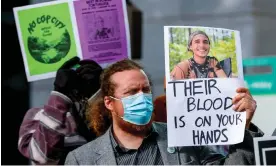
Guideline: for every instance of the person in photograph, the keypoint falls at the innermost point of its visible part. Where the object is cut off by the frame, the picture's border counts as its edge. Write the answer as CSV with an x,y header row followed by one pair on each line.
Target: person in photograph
x,y
102,32
201,65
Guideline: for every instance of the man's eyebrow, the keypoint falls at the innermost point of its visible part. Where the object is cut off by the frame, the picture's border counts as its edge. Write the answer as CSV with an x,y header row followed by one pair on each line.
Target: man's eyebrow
x,y
129,87
135,87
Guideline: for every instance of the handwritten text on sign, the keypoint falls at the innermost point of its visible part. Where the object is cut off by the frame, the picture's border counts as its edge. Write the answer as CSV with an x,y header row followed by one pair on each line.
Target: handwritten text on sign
x,y
200,112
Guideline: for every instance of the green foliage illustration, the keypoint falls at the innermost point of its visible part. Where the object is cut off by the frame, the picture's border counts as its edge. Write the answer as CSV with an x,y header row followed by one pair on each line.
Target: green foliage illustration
x,y
222,45
49,51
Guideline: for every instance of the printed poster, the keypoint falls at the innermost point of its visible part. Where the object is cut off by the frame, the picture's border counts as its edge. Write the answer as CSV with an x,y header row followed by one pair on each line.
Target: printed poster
x,y
203,71
51,33
103,30
46,37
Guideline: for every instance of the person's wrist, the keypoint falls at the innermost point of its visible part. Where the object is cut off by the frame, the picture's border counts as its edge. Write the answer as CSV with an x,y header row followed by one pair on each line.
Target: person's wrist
x,y
247,126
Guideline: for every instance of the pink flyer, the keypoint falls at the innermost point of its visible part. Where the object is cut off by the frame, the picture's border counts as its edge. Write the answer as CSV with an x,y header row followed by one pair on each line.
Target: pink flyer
x,y
103,30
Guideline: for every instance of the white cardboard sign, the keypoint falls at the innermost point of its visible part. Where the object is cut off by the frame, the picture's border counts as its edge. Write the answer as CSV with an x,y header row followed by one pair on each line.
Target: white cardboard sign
x,y
199,108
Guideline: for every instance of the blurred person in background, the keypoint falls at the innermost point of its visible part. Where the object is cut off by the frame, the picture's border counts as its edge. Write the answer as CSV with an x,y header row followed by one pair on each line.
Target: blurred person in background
x,y
48,133
200,65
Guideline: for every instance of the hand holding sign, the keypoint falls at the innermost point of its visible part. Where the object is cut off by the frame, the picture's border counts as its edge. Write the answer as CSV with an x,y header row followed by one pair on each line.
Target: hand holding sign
x,y
245,102
66,81
89,73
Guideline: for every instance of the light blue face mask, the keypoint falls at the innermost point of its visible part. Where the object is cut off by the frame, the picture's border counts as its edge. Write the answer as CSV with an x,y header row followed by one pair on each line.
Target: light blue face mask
x,y
138,108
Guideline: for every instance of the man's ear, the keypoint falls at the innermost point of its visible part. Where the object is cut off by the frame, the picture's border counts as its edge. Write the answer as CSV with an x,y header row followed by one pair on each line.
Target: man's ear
x,y
108,103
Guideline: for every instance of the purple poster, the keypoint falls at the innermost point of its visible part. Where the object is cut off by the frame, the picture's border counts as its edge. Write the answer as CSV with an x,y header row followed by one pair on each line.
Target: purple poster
x,y
103,30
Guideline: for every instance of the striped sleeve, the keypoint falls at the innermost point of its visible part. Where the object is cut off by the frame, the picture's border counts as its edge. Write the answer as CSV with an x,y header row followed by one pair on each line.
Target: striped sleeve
x,y
42,132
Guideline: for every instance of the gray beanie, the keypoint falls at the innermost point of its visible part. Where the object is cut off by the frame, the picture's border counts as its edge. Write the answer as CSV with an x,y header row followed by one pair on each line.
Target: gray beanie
x,y
192,35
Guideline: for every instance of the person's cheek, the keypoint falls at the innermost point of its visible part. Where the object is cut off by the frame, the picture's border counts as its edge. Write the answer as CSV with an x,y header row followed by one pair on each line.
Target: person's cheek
x,y
207,46
119,108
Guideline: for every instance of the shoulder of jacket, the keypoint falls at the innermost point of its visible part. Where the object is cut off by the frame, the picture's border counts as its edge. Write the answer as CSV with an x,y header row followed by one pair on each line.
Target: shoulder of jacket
x,y
159,126
84,149
184,63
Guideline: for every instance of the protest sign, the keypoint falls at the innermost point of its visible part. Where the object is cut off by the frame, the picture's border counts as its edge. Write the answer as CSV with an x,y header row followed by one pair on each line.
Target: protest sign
x,y
265,150
103,30
203,71
53,32
46,37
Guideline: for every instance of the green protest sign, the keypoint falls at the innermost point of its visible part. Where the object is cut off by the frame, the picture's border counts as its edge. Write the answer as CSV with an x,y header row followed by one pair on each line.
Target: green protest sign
x,y
46,36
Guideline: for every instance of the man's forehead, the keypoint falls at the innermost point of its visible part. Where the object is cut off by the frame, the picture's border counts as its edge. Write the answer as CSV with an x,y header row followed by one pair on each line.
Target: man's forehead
x,y
200,36
127,78
142,71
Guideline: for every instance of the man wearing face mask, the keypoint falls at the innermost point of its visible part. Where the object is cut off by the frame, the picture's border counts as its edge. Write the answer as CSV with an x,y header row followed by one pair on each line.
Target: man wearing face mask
x,y
47,134
134,139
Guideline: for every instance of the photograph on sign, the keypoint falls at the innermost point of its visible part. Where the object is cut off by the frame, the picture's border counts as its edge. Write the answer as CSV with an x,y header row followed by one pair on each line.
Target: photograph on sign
x,y
103,30
201,63
46,37
187,45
